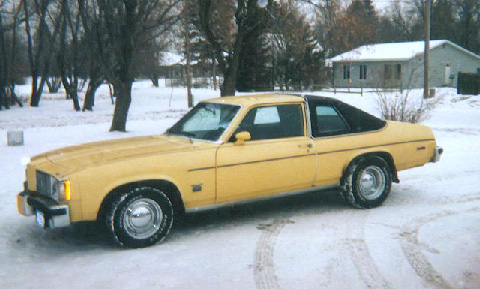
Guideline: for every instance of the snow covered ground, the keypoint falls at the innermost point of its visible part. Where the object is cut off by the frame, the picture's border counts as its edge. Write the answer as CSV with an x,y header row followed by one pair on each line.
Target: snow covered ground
x,y
426,235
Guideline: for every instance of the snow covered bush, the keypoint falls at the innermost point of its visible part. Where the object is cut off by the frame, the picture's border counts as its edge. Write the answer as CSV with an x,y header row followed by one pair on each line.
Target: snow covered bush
x,y
406,106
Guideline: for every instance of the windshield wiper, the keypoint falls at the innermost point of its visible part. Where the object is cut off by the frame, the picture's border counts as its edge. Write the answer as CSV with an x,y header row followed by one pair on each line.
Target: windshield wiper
x,y
182,133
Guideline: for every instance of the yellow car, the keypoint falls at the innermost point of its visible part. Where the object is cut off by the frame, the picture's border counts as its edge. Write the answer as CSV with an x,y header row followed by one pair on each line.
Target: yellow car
x,y
224,150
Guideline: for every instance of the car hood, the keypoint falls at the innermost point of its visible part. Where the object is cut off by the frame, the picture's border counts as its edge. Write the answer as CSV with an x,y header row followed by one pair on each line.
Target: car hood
x,y
74,158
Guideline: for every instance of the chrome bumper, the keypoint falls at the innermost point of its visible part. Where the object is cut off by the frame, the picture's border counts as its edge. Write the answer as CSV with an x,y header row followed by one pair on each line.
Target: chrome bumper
x,y
437,154
49,214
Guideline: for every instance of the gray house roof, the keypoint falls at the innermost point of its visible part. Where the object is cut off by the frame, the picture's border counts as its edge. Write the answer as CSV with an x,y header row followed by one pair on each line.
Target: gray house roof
x,y
392,51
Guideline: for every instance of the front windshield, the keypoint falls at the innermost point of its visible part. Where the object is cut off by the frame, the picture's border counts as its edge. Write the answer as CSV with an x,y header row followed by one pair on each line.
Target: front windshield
x,y
206,121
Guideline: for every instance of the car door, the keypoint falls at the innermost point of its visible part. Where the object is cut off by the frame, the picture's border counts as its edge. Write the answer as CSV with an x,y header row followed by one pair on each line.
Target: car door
x,y
333,146
279,156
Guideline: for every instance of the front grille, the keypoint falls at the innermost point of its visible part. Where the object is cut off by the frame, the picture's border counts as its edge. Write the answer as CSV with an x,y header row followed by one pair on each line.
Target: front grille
x,y
45,185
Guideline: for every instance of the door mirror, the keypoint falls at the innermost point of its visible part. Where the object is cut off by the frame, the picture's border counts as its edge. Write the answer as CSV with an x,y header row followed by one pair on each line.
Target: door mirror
x,y
241,137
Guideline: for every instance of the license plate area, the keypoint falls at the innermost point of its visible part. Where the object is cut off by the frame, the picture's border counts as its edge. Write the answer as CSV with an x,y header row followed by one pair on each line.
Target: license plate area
x,y
40,219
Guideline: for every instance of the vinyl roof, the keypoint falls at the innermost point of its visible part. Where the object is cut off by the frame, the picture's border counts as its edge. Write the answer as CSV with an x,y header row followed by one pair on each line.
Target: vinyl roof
x,y
248,100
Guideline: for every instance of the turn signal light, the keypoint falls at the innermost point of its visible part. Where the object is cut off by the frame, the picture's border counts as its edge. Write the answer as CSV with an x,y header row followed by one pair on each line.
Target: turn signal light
x,y
67,190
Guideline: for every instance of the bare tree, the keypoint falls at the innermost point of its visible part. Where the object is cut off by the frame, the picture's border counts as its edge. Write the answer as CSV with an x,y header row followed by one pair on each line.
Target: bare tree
x,y
8,52
119,28
3,64
40,42
328,14
68,51
297,52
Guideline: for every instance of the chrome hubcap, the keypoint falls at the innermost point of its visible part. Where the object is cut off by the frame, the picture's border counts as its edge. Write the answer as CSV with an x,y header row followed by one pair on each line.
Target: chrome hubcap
x,y
142,218
372,183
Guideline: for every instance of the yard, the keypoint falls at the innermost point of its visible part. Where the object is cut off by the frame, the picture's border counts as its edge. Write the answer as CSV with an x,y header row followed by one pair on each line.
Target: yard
x,y
426,235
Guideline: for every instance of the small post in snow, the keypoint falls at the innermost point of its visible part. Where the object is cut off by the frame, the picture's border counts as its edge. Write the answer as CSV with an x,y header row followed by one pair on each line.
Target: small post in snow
x,y
15,138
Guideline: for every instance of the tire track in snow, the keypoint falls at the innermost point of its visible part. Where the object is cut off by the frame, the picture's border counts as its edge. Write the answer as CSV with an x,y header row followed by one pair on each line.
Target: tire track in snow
x,y
360,253
413,249
264,266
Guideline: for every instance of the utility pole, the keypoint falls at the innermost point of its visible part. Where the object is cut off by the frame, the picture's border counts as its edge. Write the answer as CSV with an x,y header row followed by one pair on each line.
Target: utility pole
x,y
426,52
188,56
189,69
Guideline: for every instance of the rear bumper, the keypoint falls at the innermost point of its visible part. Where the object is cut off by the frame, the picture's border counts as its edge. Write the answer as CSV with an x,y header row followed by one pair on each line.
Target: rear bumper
x,y
437,154
53,215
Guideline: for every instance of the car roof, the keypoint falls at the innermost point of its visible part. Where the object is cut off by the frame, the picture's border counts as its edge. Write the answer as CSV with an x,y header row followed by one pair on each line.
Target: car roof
x,y
254,99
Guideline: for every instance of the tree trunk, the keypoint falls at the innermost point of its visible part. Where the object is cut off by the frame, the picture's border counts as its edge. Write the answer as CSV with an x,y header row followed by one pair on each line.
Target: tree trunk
x,y
71,91
13,95
124,98
89,101
154,79
37,90
189,69
214,74
228,86
230,77
4,101
35,57
53,84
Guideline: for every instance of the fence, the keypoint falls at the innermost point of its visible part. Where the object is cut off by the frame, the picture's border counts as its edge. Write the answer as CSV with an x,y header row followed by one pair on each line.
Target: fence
x,y
468,83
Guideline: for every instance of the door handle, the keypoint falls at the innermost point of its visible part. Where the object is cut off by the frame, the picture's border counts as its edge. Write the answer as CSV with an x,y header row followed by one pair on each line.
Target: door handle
x,y
309,146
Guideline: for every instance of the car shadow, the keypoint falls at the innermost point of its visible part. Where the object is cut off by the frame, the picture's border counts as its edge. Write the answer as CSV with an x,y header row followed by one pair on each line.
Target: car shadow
x,y
258,213
90,236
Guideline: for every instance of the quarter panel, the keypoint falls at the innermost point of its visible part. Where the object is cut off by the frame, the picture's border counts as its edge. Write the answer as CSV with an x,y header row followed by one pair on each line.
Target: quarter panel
x,y
95,183
409,145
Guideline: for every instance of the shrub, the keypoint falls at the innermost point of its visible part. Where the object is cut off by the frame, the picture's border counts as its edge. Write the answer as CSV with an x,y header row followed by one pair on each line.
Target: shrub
x,y
404,106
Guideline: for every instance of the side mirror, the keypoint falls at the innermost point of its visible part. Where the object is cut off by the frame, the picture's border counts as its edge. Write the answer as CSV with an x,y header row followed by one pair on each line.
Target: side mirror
x,y
241,137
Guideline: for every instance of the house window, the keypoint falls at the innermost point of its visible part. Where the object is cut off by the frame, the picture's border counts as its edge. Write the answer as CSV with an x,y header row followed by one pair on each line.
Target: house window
x,y
393,71
397,71
388,71
363,72
346,71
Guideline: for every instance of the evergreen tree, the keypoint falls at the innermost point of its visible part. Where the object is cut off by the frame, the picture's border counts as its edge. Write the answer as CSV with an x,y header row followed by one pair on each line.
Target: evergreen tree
x,y
255,65
358,26
442,18
227,25
297,53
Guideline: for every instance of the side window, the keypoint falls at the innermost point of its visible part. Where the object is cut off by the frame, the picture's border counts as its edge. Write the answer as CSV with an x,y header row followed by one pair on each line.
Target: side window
x,y
273,122
266,115
328,122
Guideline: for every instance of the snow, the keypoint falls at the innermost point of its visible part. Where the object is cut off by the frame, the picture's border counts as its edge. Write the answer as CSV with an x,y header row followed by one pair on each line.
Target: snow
x,y
387,51
171,58
424,236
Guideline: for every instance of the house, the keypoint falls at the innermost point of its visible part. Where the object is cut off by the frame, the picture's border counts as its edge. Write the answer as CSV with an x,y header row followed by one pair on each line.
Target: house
x,y
173,68
400,65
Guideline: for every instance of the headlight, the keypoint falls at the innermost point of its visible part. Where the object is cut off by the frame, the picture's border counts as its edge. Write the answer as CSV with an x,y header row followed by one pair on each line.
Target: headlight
x,y
59,190
64,193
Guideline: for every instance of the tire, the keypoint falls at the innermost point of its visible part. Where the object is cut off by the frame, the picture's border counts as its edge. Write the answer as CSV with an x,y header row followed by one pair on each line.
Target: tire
x,y
139,218
367,183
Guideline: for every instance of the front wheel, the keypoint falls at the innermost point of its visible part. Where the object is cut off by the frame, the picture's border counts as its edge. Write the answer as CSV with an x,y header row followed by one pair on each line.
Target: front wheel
x,y
139,218
367,183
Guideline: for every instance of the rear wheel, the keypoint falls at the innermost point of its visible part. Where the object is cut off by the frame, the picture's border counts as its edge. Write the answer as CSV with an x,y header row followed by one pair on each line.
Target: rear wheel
x,y
140,217
367,183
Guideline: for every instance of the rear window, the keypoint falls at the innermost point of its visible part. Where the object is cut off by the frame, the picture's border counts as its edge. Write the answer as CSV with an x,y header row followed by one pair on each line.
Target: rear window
x,y
329,122
333,117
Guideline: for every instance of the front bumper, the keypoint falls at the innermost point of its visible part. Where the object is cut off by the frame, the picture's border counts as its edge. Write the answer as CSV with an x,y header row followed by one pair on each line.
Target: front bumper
x,y
437,154
49,213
